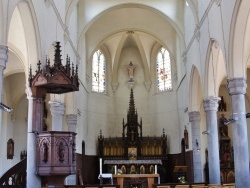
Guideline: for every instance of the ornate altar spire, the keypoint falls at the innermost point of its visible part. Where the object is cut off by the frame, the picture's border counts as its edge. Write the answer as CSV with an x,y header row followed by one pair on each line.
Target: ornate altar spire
x,y
131,103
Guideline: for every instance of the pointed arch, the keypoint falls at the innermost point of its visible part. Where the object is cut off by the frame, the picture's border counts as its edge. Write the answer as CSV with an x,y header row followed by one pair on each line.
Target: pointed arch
x,y
237,62
143,57
142,54
117,58
32,35
215,69
195,90
98,72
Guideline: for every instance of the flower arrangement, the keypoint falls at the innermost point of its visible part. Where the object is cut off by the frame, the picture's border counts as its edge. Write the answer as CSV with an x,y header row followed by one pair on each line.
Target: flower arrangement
x,y
182,179
119,171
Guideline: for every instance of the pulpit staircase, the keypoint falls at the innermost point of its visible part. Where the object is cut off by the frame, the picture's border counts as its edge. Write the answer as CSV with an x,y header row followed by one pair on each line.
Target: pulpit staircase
x,y
15,176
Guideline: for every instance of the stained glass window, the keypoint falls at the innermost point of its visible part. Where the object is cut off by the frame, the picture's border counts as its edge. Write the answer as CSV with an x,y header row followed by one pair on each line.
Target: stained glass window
x,y
98,72
163,68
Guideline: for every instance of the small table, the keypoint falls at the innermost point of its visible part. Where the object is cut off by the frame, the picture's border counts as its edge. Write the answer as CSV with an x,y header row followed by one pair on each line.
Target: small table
x,y
150,177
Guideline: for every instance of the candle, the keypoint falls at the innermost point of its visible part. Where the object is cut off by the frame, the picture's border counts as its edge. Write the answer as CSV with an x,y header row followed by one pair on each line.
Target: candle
x,y
100,165
155,169
115,169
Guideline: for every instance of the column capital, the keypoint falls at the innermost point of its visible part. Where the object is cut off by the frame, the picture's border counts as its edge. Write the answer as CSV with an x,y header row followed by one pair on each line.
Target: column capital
x,y
71,120
194,116
236,86
3,56
211,104
57,108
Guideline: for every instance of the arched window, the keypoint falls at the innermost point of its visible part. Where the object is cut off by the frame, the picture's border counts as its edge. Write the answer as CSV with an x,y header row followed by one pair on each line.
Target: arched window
x,y
163,68
98,72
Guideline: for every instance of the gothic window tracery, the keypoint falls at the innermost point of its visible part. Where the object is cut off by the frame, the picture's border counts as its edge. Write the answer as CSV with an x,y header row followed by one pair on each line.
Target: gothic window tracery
x,y
98,72
163,68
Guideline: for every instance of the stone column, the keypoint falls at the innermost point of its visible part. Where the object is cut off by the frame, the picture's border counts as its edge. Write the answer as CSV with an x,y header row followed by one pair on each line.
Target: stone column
x,y
57,111
194,119
32,179
237,89
211,107
71,120
3,60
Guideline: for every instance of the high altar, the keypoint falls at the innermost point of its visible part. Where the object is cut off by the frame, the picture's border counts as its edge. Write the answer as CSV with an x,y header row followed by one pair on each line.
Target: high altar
x,y
132,153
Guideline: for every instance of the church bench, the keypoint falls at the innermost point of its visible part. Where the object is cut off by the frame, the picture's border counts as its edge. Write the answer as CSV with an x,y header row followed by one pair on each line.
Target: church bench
x,y
92,186
176,185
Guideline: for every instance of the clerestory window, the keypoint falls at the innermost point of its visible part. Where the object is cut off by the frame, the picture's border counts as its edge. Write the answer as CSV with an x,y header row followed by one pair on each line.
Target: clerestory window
x,y
163,68
98,72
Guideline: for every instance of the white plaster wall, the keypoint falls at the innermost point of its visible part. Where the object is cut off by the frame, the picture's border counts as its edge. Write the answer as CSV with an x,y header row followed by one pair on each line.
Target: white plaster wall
x,y
164,114
119,19
18,38
14,125
14,64
89,10
189,24
1,23
82,120
73,26
183,119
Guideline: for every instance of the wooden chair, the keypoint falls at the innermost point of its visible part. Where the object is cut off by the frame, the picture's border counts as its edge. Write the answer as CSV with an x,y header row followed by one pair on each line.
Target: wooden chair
x,y
163,186
182,186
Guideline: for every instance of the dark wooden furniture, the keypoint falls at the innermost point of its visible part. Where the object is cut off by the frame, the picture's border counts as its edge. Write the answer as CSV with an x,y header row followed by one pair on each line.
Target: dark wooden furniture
x,y
173,185
136,183
56,157
132,145
150,178
226,160
180,171
56,154
15,176
92,186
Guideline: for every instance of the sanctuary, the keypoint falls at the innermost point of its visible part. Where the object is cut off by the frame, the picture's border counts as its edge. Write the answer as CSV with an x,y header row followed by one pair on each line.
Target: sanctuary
x,y
132,153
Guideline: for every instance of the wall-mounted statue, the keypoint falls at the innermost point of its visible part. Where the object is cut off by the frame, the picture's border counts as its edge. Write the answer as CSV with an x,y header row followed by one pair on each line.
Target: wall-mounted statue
x,y
131,70
44,152
186,138
10,149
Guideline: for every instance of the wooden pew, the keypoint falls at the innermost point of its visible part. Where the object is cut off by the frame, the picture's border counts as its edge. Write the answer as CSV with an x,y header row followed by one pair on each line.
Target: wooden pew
x,y
92,186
